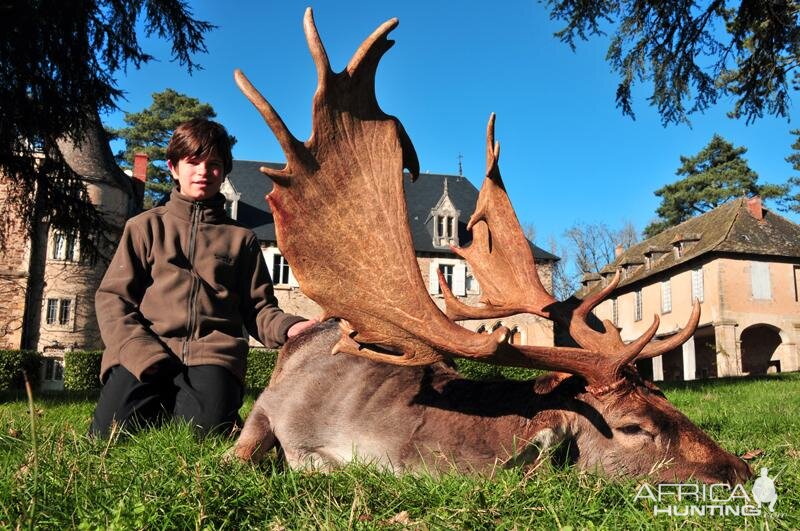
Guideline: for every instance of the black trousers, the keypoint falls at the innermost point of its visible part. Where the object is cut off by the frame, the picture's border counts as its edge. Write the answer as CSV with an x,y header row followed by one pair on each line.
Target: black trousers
x,y
207,396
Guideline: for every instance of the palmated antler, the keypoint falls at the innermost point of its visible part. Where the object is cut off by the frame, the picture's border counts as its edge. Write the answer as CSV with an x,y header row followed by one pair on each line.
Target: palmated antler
x,y
341,218
503,264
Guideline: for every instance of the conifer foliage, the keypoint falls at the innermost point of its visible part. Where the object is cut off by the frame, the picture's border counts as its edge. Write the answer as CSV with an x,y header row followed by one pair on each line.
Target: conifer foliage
x,y
693,53
715,175
59,62
149,132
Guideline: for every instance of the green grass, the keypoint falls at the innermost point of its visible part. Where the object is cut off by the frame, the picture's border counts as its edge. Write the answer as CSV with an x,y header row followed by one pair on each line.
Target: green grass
x,y
166,478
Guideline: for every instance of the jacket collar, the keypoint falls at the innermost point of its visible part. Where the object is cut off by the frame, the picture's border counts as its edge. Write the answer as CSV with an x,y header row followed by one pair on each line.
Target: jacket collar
x,y
212,210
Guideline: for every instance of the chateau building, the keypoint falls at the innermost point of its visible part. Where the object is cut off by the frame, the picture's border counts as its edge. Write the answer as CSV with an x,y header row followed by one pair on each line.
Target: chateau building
x,y
742,262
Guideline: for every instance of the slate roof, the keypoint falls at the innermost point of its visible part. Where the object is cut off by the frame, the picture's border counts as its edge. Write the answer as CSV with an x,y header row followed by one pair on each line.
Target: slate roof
x,y
421,197
729,228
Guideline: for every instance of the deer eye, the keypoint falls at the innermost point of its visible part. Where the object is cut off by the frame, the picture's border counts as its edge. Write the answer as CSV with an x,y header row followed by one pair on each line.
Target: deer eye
x,y
631,429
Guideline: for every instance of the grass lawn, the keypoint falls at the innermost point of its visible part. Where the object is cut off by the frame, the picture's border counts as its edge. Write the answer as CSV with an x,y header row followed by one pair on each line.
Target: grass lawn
x,y
166,478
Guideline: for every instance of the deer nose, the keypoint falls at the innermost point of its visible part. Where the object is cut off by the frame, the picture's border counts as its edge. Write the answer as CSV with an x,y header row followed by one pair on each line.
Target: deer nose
x,y
741,471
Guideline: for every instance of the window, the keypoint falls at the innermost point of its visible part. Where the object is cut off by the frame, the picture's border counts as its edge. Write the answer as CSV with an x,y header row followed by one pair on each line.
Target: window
x,y
797,283
447,272
280,270
445,230
53,369
759,278
64,311
614,312
59,312
666,296
697,284
63,247
637,307
52,311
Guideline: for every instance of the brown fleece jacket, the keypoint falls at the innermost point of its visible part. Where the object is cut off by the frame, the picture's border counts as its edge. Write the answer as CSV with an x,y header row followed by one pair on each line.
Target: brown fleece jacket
x,y
184,283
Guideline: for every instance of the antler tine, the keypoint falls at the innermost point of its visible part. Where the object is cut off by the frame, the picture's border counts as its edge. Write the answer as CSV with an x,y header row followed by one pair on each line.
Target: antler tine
x,y
500,255
317,49
656,349
285,138
369,46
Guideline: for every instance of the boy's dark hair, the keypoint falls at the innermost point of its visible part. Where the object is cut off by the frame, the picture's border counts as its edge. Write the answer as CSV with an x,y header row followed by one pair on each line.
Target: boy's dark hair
x,y
197,139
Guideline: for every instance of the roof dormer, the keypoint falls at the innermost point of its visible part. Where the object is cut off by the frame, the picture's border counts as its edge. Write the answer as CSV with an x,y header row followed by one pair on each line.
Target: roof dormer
x,y
629,265
683,241
652,254
445,221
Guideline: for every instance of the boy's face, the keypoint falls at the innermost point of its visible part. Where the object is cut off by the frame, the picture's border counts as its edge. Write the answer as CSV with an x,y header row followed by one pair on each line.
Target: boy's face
x,y
199,179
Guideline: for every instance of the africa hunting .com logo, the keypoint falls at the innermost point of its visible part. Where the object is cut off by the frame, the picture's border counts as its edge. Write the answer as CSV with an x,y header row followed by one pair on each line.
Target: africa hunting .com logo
x,y
719,499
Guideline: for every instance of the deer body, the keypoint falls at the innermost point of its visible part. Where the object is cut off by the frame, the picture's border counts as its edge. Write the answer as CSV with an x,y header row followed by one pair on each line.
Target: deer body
x,y
326,410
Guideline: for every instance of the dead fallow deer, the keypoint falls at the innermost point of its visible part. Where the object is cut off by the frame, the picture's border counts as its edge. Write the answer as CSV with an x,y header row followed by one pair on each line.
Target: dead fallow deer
x,y
376,386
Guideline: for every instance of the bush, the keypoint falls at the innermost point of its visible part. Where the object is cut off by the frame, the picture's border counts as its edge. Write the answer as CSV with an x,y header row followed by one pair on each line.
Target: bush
x,y
260,364
13,363
82,370
475,370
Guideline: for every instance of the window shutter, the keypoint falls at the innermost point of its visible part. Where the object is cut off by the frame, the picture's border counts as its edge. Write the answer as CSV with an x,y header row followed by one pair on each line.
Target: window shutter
x,y
759,277
459,280
433,278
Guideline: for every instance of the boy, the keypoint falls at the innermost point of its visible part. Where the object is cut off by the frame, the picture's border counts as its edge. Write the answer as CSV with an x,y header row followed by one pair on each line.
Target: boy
x,y
184,282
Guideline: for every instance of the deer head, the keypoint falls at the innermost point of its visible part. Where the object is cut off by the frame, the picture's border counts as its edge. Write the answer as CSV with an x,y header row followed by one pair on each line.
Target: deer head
x,y
341,222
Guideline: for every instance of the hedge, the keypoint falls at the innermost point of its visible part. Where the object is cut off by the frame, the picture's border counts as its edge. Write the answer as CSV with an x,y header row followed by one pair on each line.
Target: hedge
x,y
475,370
260,364
82,370
13,363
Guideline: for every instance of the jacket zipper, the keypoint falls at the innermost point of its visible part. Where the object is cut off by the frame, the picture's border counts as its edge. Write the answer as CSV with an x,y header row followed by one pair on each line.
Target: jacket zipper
x,y
192,303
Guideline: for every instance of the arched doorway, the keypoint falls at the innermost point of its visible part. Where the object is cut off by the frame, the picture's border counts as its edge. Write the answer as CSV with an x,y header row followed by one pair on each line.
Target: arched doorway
x,y
759,343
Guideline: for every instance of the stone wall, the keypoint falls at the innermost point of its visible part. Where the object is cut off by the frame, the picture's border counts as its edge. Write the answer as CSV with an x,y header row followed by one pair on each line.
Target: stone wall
x,y
15,254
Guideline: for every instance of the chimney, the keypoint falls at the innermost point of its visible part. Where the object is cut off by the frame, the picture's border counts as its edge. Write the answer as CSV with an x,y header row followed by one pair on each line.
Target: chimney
x,y
618,250
754,207
139,176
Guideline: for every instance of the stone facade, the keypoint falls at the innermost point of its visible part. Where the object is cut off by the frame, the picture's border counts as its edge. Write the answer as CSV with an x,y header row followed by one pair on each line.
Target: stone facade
x,y
48,282
14,274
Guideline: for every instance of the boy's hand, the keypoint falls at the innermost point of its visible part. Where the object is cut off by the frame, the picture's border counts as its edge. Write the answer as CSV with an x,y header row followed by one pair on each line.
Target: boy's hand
x,y
302,326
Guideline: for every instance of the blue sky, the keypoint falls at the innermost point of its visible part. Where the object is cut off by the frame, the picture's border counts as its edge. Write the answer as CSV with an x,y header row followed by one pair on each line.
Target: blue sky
x,y
568,155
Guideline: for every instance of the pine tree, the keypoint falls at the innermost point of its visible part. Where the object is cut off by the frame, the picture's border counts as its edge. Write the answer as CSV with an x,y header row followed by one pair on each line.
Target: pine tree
x,y
715,175
149,132
792,200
